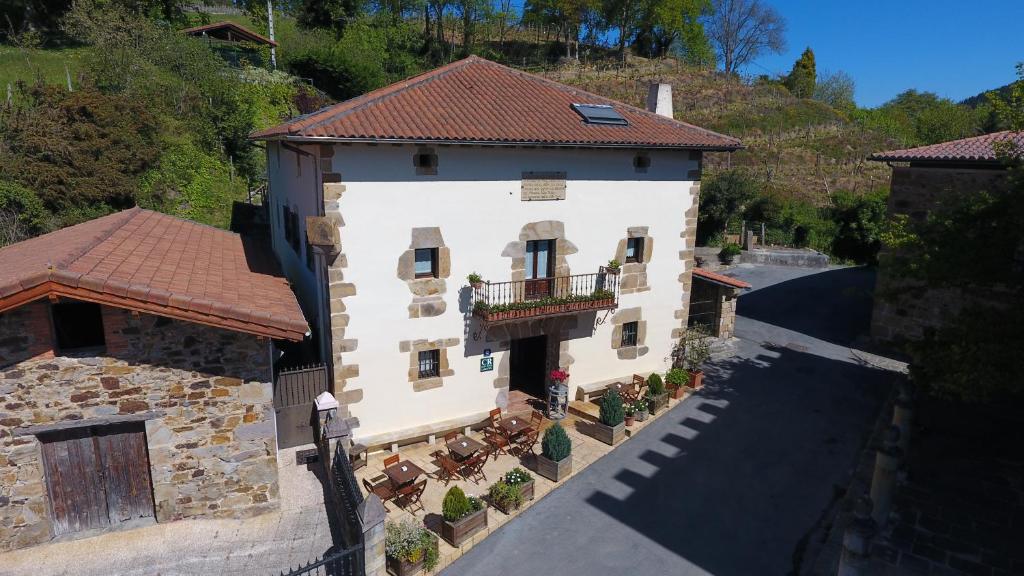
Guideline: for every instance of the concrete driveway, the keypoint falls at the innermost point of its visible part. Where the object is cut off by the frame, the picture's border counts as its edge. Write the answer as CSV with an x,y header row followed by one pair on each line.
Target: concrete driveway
x,y
734,479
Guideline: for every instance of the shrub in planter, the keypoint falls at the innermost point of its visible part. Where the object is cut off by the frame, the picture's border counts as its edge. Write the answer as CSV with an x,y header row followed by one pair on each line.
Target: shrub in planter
x,y
630,411
475,280
677,379
504,496
409,548
640,408
463,516
656,395
729,252
521,479
696,344
611,429
555,460
613,266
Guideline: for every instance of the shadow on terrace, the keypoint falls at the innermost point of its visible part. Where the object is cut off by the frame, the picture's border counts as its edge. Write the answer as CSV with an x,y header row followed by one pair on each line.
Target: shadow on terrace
x,y
735,479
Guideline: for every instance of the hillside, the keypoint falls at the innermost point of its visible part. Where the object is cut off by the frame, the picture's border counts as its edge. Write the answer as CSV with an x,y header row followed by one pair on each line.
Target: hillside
x,y
801,148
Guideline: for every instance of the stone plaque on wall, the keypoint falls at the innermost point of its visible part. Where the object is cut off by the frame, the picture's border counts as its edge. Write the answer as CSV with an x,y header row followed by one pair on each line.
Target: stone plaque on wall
x,y
543,186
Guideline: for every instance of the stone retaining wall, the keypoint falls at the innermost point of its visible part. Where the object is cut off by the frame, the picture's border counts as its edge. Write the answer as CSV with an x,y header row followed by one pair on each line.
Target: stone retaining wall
x,y
205,393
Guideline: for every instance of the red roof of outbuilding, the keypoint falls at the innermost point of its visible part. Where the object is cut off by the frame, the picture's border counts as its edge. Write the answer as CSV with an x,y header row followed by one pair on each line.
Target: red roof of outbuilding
x,y
975,149
217,29
152,262
720,278
478,101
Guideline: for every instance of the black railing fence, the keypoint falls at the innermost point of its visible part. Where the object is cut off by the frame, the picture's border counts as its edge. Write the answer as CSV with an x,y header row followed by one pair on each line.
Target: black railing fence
x,y
492,296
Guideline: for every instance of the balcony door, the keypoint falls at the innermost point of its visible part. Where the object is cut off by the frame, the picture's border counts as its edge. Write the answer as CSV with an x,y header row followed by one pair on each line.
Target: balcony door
x,y
540,267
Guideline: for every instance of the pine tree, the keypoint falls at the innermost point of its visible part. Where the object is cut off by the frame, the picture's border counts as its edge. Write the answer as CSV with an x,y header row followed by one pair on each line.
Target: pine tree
x,y
802,77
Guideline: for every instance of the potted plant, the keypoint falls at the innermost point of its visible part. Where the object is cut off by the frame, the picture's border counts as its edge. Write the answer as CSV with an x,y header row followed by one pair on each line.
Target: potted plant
x,y
611,428
555,460
559,376
656,395
640,409
504,496
475,280
677,380
729,252
630,411
613,266
463,516
696,345
409,548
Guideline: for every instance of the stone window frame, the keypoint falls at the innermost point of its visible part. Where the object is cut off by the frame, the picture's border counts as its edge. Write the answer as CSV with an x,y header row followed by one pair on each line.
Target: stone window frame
x,y
427,290
622,317
444,370
633,274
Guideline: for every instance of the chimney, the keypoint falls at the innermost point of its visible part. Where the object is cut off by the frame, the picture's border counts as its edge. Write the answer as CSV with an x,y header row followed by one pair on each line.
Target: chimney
x,y
659,99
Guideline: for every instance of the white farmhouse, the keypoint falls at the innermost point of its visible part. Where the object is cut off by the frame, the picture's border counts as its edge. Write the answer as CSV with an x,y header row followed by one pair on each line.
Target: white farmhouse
x,y
384,204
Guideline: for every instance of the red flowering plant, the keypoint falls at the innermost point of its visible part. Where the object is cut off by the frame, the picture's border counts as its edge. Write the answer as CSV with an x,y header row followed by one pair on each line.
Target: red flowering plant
x,y
559,376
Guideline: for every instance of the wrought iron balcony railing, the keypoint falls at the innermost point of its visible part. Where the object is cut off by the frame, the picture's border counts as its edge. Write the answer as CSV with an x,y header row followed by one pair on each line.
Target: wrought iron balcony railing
x,y
496,301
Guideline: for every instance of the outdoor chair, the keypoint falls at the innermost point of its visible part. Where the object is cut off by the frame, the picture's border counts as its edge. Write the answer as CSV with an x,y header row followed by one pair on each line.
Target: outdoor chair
x,y
409,497
495,417
447,467
381,486
393,459
526,440
496,440
536,419
450,436
473,468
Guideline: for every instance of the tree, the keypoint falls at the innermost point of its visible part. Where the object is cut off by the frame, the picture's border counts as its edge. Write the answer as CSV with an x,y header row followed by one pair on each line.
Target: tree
x,y
1010,110
22,214
742,30
665,24
331,14
723,197
836,89
802,78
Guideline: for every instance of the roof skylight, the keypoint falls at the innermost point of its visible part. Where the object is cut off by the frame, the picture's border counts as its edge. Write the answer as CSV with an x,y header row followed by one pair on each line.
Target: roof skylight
x,y
600,114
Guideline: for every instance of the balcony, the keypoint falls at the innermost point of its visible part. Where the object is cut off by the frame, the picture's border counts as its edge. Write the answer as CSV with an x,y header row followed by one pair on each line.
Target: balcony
x,y
522,299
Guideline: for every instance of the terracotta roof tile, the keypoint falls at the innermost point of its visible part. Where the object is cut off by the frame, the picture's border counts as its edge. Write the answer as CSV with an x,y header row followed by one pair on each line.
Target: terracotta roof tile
x,y
157,263
720,278
976,149
479,101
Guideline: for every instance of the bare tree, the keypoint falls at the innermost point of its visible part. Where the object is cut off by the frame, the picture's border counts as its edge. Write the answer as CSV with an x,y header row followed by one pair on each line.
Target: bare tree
x,y
742,30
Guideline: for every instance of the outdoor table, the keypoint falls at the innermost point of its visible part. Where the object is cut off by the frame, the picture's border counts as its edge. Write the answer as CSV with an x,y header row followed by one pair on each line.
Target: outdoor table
x,y
403,473
463,447
513,425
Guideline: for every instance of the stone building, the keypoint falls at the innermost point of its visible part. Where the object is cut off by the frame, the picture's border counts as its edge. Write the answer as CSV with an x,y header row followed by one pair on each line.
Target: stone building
x,y
382,206
920,178
713,302
136,356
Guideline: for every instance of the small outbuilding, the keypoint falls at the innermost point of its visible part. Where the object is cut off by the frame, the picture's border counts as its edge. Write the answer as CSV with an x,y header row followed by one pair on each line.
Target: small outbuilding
x,y
136,355
232,41
713,302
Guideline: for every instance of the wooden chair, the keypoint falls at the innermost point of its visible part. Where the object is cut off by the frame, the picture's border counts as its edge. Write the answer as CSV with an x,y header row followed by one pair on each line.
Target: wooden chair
x,y
450,436
536,419
391,460
496,440
382,489
473,467
448,468
526,440
495,417
409,496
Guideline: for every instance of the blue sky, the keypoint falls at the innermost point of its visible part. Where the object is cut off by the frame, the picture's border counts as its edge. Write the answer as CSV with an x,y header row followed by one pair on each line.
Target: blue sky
x,y
954,49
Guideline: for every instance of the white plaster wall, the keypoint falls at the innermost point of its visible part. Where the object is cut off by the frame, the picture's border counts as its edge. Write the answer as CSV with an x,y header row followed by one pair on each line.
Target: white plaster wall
x,y
475,200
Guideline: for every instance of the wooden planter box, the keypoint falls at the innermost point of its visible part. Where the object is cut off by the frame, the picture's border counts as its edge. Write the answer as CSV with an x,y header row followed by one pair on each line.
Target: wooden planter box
x,y
455,533
697,379
641,416
553,470
658,402
403,568
678,392
526,489
610,435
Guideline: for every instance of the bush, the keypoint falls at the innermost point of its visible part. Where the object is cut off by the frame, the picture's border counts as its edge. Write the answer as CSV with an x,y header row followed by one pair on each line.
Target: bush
x,y
22,214
729,251
655,386
409,542
556,445
517,476
456,505
612,413
677,377
505,495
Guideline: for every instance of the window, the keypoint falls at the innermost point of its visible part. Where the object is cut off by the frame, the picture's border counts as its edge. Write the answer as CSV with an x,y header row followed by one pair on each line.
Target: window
x,y
77,326
426,263
641,163
629,334
295,233
425,162
600,114
634,250
430,363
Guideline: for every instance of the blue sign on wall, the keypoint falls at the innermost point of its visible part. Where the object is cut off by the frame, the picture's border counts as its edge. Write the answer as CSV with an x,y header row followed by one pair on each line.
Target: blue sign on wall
x,y
486,364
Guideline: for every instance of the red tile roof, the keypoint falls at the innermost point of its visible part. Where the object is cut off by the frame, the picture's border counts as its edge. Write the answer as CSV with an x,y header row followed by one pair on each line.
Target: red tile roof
x,y
720,278
976,149
155,263
479,101
221,30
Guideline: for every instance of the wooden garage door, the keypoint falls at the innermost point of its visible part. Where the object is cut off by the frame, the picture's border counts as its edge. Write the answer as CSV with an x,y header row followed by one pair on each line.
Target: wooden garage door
x,y
97,476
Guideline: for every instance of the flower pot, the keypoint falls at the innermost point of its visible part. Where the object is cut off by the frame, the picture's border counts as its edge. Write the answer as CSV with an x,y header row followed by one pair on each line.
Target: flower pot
x,y
526,489
641,415
477,285
630,420
403,567
697,379
612,271
657,402
727,259
678,392
610,435
552,470
455,533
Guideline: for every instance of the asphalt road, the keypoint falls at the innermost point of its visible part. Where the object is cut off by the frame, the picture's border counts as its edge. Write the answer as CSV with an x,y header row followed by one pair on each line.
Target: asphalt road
x,y
734,479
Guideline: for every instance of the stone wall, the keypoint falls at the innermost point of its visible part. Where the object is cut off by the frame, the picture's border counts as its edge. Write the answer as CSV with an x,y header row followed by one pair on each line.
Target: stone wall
x,y
914,191
205,394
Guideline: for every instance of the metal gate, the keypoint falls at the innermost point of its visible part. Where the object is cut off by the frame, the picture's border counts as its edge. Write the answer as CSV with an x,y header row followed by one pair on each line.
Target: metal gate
x,y
295,390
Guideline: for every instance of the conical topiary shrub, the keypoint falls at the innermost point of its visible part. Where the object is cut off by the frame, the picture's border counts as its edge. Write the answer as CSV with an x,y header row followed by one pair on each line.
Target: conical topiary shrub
x,y
612,413
456,505
556,445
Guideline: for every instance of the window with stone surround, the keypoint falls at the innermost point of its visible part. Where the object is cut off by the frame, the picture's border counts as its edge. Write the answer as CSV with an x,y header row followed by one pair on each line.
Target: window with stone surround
x,y
635,249
77,326
629,333
426,263
430,363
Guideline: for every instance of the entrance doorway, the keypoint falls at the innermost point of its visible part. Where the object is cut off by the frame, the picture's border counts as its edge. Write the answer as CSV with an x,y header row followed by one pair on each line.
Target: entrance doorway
x,y
97,476
528,366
